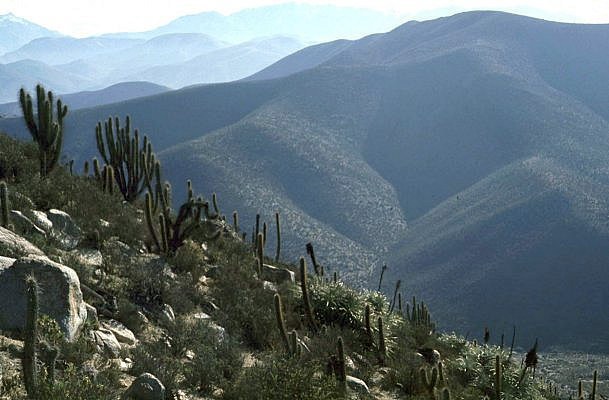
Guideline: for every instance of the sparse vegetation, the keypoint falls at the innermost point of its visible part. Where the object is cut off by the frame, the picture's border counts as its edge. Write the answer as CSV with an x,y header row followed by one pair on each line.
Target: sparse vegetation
x,y
208,325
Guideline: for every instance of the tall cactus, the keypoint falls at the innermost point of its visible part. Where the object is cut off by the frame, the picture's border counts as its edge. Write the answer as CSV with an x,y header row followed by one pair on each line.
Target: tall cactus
x,y
305,295
382,347
134,166
281,323
341,373
278,248
47,132
498,377
30,369
4,204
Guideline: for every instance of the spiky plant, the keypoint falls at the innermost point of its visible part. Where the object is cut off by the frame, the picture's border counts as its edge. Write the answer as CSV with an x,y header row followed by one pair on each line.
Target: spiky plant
x,y
47,128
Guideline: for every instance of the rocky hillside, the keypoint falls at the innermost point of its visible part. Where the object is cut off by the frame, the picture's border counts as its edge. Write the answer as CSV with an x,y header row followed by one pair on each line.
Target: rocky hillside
x,y
454,150
91,307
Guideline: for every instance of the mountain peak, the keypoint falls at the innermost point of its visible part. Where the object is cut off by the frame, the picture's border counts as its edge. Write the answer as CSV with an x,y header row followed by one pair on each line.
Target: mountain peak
x,y
12,18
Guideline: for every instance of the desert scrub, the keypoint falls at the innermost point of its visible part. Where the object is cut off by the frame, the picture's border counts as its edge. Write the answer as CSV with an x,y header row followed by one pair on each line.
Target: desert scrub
x,y
281,378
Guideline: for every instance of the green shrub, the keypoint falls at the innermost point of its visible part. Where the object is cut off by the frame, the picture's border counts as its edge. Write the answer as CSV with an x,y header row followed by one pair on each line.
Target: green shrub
x,y
280,378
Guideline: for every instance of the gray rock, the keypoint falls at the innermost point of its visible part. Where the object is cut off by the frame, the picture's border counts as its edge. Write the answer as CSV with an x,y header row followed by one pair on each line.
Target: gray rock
x,y
6,262
121,332
24,224
16,245
145,387
106,342
270,286
277,275
89,257
92,315
41,220
60,295
65,229
357,385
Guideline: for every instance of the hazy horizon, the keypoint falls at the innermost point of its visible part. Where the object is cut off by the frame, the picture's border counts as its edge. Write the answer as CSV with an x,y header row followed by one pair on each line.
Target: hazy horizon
x,y
97,17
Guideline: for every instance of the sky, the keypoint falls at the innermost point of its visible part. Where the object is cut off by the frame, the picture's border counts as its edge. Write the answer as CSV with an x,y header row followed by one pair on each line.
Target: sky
x,y
82,18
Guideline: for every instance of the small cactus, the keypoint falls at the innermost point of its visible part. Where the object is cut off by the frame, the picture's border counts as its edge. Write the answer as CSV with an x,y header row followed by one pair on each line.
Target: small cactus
x,y
236,221
305,295
429,382
4,205
278,227
281,323
341,373
498,377
30,369
382,348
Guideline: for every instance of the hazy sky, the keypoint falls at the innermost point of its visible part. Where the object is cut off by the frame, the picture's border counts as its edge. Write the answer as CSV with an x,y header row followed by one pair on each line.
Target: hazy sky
x,y
89,17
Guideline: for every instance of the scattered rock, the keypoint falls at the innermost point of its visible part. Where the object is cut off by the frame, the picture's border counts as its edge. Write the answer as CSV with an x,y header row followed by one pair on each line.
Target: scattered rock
x,y
23,224
201,315
431,356
106,342
65,229
16,245
357,385
121,332
145,387
89,257
6,262
92,315
60,295
277,275
270,286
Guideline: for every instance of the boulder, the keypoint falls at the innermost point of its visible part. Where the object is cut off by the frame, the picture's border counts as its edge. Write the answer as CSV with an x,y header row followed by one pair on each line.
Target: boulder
x,y
277,275
16,245
6,262
41,220
120,331
357,385
65,229
24,224
89,257
92,315
60,295
145,387
106,342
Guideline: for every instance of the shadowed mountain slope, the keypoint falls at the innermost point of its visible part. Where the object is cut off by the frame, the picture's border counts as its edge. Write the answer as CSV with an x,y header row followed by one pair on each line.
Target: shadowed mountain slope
x,y
473,128
112,94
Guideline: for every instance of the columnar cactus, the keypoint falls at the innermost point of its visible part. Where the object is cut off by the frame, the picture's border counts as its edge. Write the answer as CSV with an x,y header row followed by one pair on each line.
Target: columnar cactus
x,y
134,166
341,370
395,293
236,221
429,382
311,253
4,205
383,269
382,348
47,132
498,377
30,369
281,323
305,295
594,383
369,337
278,227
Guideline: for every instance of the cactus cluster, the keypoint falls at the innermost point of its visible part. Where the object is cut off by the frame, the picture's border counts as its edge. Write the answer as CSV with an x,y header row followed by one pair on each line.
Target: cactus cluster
x,y
47,128
30,342
133,166
418,314
173,230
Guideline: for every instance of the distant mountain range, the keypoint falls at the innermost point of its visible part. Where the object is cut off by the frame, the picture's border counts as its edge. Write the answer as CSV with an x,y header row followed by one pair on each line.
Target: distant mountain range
x,y
469,153
306,22
202,48
16,32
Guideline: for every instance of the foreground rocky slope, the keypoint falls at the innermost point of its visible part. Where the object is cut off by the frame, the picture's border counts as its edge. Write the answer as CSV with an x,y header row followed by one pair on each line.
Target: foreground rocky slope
x,y
206,321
